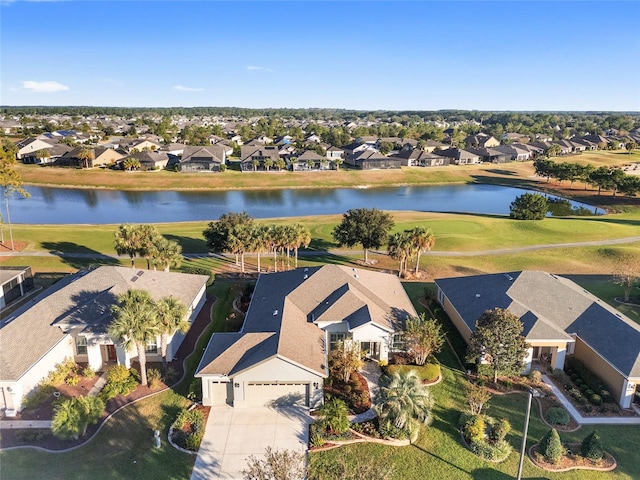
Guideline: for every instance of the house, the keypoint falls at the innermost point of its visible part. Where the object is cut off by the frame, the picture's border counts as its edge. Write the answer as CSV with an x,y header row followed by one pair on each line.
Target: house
x,y
515,151
55,153
372,160
15,282
294,320
253,157
481,140
421,158
203,159
515,137
458,156
138,145
334,153
309,160
560,318
29,146
432,145
101,156
492,155
151,160
357,147
70,319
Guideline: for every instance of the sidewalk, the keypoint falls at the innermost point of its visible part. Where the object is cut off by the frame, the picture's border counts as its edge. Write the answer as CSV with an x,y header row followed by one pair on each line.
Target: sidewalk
x,y
587,420
371,372
20,424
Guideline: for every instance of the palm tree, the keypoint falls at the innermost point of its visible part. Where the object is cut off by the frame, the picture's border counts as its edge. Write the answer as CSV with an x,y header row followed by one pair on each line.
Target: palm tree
x,y
131,163
268,163
135,322
337,162
166,253
333,416
85,155
171,315
422,239
67,420
276,242
399,248
281,164
303,238
403,400
260,241
127,241
255,164
43,154
10,180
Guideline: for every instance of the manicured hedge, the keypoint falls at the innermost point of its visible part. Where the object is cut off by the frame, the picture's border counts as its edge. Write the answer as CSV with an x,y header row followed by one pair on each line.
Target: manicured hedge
x,y
588,378
428,372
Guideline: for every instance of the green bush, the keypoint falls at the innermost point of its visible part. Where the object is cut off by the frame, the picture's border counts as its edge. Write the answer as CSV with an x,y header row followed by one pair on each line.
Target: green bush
x,y
200,271
474,428
334,416
535,376
37,396
120,381
594,382
588,392
591,447
60,372
72,380
499,431
428,372
316,440
389,430
558,416
583,387
551,447
496,452
595,399
578,381
88,372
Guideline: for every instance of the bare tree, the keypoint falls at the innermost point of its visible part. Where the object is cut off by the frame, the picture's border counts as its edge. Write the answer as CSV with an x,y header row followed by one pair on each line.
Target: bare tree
x,y
626,274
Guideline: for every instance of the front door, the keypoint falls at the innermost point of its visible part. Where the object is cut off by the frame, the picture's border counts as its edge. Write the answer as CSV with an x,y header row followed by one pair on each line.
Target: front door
x,y
111,353
371,349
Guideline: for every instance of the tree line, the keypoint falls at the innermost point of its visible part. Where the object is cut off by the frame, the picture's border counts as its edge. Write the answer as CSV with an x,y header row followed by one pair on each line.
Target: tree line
x,y
607,178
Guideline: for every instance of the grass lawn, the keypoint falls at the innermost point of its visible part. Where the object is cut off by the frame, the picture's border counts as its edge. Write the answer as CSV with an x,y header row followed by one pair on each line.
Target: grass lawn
x,y
439,452
124,447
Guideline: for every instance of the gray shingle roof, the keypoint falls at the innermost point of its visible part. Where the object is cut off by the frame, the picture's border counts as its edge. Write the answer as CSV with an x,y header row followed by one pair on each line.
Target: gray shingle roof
x,y
82,301
550,307
285,307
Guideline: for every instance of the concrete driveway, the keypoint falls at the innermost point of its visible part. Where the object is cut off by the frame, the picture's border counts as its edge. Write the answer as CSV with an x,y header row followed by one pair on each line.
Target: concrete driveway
x,y
233,434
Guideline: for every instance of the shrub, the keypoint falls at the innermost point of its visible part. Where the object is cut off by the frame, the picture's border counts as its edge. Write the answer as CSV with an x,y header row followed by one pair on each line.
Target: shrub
x,y
474,428
334,416
578,381
493,452
535,376
588,392
38,396
200,271
188,429
594,382
73,415
499,431
154,378
120,381
606,395
551,446
591,447
88,372
558,416
316,440
383,363
583,387
389,430
72,380
60,372
428,372
366,428
595,399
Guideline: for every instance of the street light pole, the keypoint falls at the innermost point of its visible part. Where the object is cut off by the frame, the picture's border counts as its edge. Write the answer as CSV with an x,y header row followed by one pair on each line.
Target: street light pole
x,y
524,435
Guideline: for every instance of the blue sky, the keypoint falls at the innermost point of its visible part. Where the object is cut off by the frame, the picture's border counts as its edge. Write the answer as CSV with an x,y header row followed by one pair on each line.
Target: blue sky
x,y
419,55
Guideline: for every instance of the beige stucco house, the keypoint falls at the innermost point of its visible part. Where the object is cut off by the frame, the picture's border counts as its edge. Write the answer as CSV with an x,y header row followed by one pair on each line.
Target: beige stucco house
x,y
293,321
560,318
70,320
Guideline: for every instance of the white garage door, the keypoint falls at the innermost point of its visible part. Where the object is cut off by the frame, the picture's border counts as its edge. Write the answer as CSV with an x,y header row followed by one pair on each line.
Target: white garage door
x,y
278,394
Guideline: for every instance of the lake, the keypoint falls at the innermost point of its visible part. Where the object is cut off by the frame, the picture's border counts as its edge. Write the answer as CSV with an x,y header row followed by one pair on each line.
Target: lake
x,y
95,206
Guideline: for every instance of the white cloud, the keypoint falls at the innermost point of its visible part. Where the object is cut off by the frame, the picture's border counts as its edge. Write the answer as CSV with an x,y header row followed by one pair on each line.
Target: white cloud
x,y
256,68
182,88
43,87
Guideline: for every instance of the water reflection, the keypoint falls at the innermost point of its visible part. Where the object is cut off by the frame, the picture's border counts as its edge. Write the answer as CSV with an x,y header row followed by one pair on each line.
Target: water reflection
x,y
70,206
561,207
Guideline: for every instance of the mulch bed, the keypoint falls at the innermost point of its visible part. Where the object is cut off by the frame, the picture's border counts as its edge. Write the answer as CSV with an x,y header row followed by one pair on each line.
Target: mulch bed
x,y
572,462
550,401
18,246
13,438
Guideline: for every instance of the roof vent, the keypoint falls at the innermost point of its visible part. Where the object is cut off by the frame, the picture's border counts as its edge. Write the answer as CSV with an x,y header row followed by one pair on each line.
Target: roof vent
x,y
305,276
355,275
477,295
275,312
509,277
306,270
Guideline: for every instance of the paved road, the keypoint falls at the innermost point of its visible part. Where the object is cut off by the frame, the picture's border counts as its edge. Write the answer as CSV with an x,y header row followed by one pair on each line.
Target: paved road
x,y
436,253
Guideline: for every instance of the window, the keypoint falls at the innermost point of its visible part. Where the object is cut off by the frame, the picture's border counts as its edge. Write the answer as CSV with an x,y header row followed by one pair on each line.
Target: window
x,y
81,345
334,338
398,342
152,347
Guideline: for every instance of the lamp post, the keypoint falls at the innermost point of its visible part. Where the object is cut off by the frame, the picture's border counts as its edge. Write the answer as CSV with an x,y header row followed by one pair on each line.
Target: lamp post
x,y
524,434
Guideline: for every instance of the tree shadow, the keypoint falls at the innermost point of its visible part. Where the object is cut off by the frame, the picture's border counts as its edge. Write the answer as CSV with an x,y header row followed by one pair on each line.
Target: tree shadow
x,y
321,244
189,244
78,256
498,171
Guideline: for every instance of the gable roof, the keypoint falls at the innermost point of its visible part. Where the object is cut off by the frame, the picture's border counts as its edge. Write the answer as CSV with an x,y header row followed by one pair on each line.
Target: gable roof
x,y
214,153
551,308
81,301
285,308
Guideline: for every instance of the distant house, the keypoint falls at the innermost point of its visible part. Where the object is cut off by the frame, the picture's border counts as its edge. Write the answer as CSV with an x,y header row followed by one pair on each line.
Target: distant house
x,y
516,152
55,153
492,155
334,153
294,320
139,144
421,158
203,159
515,137
356,147
559,317
29,146
372,160
432,145
253,157
481,140
151,160
309,160
457,156
70,320
101,156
